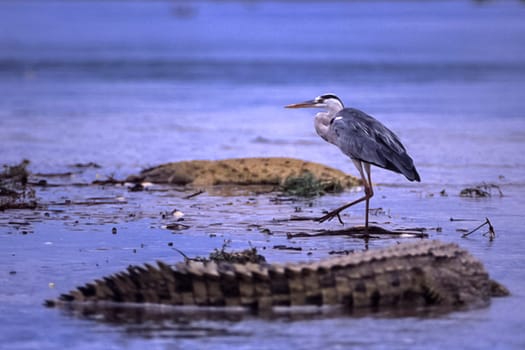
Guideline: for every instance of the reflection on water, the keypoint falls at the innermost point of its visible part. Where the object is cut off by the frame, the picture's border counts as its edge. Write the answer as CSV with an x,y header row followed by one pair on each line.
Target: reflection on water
x,y
203,322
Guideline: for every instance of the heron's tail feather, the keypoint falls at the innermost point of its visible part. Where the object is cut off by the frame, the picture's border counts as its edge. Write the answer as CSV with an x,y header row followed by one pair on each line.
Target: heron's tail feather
x,y
403,164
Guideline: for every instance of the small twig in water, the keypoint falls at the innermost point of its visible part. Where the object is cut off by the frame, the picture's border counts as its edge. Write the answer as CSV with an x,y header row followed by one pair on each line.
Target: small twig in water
x,y
457,219
186,258
491,232
285,247
194,194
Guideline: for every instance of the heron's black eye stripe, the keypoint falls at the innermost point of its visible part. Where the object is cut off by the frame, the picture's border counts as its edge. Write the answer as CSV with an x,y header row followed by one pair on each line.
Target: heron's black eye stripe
x,y
330,96
325,97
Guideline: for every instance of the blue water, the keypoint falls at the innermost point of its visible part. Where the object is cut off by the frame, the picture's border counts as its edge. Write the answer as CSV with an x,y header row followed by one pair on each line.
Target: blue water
x,y
132,84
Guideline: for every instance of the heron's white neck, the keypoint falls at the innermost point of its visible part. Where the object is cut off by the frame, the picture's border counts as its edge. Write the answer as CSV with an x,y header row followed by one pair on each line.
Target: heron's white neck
x,y
322,123
323,119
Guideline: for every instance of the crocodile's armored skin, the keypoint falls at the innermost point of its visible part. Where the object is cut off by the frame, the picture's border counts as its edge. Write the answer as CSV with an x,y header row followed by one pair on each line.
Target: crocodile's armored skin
x,y
404,275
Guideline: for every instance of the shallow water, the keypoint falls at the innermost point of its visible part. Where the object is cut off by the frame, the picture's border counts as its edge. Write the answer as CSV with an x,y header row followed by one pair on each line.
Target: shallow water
x,y
129,85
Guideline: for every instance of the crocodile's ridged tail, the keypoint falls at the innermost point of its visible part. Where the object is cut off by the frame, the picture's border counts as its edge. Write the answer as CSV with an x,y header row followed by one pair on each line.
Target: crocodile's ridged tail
x,y
404,275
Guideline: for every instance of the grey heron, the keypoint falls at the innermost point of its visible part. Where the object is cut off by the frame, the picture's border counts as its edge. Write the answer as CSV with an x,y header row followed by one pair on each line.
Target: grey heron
x,y
362,138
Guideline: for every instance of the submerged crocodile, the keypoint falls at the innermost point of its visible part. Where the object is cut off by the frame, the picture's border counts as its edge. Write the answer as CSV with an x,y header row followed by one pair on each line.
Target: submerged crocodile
x,y
402,276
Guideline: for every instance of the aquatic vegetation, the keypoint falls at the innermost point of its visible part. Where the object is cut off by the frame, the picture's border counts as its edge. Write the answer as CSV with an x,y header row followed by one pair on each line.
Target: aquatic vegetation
x,y
248,255
307,185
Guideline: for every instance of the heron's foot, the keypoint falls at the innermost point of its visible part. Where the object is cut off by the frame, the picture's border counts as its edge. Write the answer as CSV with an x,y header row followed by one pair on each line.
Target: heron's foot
x,y
330,216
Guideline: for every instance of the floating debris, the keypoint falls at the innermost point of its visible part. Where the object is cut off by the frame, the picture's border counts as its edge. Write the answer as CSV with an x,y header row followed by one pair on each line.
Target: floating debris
x,y
194,194
176,226
177,214
285,247
474,192
341,252
460,219
480,191
86,165
377,212
109,181
136,188
490,232
265,231
249,255
365,232
241,257
64,174
15,191
94,201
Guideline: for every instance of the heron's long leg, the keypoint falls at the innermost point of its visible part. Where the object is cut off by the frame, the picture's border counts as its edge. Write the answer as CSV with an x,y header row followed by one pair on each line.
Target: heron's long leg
x,y
369,191
336,212
368,194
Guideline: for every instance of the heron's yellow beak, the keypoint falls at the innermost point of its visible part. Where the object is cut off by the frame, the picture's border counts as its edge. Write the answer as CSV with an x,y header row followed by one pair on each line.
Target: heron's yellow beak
x,y
305,104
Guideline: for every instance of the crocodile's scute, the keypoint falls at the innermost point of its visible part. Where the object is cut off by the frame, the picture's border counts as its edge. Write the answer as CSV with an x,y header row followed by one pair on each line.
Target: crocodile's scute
x,y
404,275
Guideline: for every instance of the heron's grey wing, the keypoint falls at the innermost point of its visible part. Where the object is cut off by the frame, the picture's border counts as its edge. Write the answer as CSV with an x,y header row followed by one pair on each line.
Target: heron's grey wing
x,y
362,137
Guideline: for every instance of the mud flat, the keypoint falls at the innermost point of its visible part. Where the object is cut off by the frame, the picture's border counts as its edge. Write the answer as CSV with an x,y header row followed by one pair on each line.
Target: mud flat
x,y
245,171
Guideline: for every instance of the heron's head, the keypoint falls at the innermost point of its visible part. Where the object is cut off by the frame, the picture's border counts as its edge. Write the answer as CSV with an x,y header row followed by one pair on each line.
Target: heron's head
x,y
328,101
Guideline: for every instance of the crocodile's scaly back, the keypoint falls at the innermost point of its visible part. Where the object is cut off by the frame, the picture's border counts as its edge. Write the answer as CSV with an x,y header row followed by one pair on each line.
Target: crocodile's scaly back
x,y
404,275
